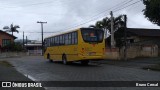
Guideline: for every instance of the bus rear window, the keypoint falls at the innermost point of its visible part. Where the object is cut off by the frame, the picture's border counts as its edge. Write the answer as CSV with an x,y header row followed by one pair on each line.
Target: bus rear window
x,y
92,35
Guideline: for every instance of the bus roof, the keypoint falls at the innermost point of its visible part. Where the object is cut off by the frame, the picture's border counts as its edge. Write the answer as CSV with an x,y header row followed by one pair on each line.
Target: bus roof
x,y
70,31
63,33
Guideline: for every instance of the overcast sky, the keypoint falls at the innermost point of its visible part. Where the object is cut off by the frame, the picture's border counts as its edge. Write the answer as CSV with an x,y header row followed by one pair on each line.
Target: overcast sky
x,y
63,15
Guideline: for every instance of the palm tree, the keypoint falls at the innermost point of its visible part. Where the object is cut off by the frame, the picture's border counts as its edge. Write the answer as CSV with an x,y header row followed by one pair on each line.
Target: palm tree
x,y
105,24
11,28
99,24
119,22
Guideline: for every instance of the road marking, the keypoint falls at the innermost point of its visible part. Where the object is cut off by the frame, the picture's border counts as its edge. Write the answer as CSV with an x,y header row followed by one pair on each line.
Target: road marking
x,y
30,77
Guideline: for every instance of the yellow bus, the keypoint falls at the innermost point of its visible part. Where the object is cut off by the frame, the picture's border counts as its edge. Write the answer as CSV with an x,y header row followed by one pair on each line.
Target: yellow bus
x,y
83,44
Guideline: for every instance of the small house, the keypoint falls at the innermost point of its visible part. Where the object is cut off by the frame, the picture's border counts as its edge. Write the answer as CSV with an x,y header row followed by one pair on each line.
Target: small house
x,y
5,39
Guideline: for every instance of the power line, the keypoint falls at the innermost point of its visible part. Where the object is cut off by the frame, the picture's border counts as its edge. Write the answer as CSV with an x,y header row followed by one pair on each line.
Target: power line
x,y
33,4
127,6
92,19
115,9
123,4
116,6
98,17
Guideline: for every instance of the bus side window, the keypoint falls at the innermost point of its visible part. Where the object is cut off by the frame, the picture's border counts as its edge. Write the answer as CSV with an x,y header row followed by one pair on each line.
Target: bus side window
x,y
60,40
73,37
76,38
49,42
63,40
52,41
66,39
44,42
55,41
69,38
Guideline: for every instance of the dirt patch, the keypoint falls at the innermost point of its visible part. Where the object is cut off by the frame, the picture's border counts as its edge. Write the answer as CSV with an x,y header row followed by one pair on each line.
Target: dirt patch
x,y
5,63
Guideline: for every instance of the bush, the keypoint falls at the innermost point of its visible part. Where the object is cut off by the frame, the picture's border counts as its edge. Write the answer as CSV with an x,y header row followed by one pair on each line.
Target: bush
x,y
12,47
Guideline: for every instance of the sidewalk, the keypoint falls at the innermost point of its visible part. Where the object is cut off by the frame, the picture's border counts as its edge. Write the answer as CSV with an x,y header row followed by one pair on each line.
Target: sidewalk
x,y
9,73
133,63
11,54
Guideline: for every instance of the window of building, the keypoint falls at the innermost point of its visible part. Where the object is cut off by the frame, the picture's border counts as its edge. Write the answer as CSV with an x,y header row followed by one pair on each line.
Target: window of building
x,y
6,42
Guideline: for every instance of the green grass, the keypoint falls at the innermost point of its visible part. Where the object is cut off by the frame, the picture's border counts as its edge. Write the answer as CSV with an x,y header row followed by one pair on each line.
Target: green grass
x,y
153,67
5,63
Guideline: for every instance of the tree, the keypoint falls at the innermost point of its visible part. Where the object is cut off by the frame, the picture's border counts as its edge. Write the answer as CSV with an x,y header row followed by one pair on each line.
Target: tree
x,y
105,24
13,47
152,11
11,28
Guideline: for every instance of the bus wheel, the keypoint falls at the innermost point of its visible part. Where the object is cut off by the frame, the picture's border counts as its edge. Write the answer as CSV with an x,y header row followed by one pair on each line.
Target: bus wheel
x,y
64,59
84,62
48,57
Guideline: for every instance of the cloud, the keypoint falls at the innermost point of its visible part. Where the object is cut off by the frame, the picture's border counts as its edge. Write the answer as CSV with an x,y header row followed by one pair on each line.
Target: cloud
x,y
64,15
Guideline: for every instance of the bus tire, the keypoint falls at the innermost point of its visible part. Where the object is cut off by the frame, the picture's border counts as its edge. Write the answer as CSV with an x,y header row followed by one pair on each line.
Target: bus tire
x,y
48,57
64,59
84,62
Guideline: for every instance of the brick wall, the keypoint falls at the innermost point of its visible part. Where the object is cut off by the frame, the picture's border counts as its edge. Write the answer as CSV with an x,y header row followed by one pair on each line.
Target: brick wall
x,y
3,35
132,52
112,54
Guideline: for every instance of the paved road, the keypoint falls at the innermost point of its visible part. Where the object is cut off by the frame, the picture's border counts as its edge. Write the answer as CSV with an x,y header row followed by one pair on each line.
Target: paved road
x,y
40,69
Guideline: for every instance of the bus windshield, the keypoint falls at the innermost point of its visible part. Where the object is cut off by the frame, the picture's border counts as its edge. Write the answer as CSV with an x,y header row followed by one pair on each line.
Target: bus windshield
x,y
92,35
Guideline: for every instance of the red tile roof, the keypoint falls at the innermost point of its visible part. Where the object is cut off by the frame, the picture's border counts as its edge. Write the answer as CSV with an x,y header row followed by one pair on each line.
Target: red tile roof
x,y
7,34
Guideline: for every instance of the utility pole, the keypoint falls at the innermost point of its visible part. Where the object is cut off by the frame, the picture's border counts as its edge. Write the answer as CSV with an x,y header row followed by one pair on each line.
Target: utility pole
x,y
112,31
23,39
125,37
42,33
